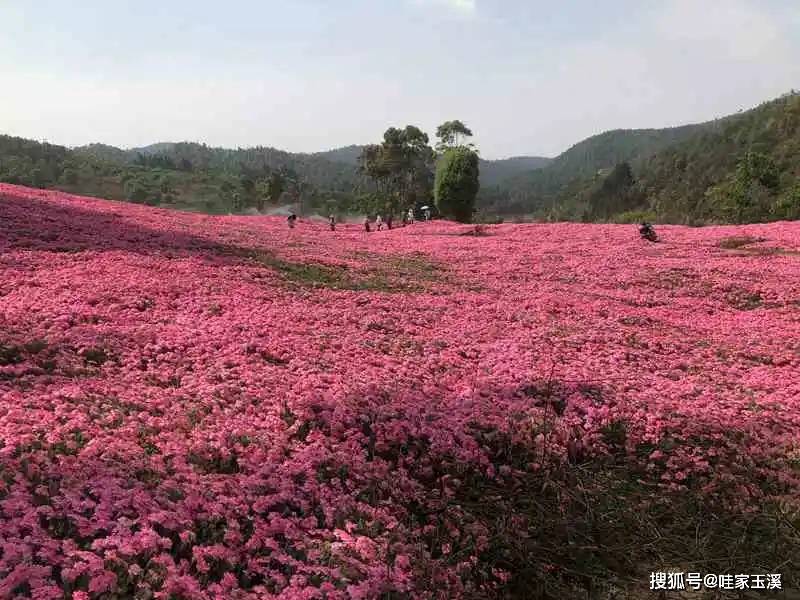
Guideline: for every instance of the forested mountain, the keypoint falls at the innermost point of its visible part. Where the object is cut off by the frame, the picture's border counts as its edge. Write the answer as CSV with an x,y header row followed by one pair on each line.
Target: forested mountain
x,y
746,169
313,169
543,188
738,168
497,172
182,175
105,153
347,154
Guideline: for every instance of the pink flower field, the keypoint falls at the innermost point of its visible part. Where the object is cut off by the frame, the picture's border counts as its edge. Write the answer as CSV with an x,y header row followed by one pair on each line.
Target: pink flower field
x,y
221,407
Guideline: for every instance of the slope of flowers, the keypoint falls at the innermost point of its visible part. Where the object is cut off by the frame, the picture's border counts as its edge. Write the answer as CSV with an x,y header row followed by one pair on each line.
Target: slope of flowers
x,y
221,407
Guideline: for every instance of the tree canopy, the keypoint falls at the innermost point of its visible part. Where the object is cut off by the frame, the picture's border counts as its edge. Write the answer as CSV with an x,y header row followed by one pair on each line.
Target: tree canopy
x,y
457,183
399,168
451,134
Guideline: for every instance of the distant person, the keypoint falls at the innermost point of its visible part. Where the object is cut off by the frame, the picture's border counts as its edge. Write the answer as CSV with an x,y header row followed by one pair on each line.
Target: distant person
x,y
427,214
647,232
291,220
366,224
379,223
332,222
411,215
389,222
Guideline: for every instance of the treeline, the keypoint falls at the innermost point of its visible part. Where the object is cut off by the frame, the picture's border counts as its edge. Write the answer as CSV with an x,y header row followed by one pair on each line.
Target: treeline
x,y
25,162
741,168
258,161
185,176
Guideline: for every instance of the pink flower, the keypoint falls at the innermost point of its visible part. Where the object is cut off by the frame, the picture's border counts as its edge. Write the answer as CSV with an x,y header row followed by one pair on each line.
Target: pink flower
x,y
174,390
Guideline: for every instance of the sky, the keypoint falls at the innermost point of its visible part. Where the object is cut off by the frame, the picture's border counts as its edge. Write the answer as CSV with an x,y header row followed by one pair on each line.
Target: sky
x,y
529,77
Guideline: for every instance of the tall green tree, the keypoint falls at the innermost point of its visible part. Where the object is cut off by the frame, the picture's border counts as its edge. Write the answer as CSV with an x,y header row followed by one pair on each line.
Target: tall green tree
x,y
400,169
457,180
457,183
452,134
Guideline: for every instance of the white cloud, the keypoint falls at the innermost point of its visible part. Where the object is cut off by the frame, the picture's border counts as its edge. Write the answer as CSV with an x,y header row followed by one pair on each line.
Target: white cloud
x,y
463,7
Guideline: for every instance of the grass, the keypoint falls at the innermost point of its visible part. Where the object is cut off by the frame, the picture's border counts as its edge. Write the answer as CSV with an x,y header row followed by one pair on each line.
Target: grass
x,y
741,244
10,354
393,274
738,241
742,299
597,529
479,230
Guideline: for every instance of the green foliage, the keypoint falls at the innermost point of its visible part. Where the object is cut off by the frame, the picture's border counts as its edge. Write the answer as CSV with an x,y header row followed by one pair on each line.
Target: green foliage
x,y
156,161
69,176
183,176
613,194
25,162
400,170
742,169
737,169
635,216
747,194
554,188
497,173
275,187
787,207
758,167
451,134
457,183
136,190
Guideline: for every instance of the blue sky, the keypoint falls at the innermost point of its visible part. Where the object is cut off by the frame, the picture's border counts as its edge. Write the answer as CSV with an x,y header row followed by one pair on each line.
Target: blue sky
x,y
528,77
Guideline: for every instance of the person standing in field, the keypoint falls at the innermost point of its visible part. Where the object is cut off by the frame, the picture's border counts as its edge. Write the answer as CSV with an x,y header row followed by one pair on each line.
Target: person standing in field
x,y
411,215
366,224
332,222
389,222
379,223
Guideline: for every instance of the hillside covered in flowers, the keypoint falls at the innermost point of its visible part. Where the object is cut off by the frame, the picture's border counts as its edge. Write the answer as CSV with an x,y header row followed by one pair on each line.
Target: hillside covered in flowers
x,y
221,407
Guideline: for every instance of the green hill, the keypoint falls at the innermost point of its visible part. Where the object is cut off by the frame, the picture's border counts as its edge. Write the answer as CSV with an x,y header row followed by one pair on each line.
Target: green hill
x,y
260,161
185,176
497,172
744,167
540,189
